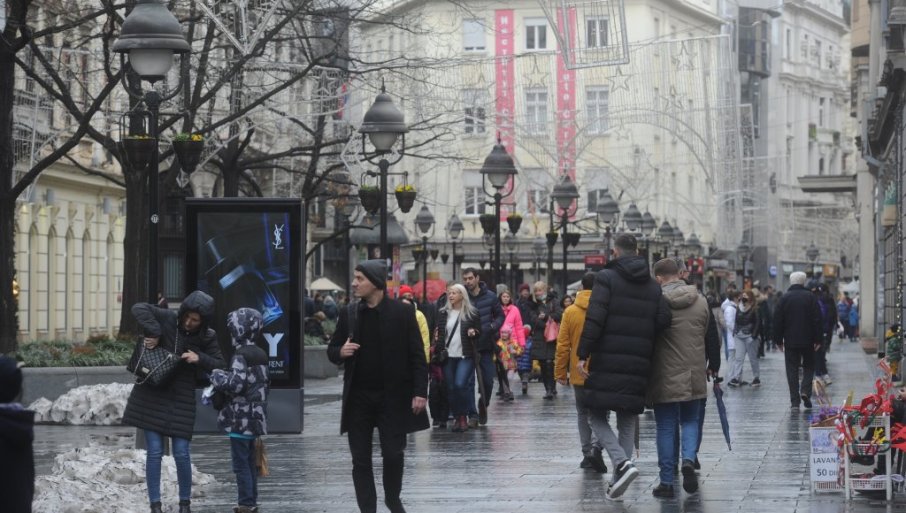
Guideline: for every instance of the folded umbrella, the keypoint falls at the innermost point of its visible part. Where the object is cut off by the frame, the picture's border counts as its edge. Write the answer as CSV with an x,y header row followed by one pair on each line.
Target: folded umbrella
x,y
722,410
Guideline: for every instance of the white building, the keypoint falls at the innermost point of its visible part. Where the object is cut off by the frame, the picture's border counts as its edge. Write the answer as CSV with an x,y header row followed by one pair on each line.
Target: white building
x,y
651,132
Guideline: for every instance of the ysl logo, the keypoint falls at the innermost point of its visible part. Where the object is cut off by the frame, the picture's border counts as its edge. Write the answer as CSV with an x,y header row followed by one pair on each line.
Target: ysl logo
x,y
278,236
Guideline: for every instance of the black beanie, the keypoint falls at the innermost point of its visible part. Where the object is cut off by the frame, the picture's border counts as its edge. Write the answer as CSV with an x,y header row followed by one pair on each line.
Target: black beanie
x,y
375,271
10,380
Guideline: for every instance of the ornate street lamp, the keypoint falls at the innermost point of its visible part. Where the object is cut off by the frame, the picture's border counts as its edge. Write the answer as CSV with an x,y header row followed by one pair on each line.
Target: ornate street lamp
x,y
539,247
812,253
678,240
565,194
499,170
383,124
454,230
633,217
347,206
693,245
425,222
608,211
151,36
512,247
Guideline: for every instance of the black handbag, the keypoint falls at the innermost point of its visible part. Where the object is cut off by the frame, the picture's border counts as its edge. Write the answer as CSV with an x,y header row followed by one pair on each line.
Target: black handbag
x,y
441,356
154,367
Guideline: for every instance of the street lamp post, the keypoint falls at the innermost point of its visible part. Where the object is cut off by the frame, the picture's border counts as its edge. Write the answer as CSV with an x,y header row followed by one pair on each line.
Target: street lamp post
x,y
499,169
538,248
664,237
454,230
151,35
348,208
512,246
608,211
425,222
383,124
648,226
679,239
565,194
742,251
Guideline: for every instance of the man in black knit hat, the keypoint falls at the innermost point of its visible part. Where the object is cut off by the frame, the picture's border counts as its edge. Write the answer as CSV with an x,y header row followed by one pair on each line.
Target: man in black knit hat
x,y
385,382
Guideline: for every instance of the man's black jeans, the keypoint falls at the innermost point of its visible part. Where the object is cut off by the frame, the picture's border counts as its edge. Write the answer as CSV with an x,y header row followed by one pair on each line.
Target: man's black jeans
x,y
366,412
799,357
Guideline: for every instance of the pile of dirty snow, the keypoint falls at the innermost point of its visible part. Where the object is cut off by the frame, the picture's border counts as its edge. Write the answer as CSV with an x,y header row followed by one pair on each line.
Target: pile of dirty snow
x,y
99,479
94,405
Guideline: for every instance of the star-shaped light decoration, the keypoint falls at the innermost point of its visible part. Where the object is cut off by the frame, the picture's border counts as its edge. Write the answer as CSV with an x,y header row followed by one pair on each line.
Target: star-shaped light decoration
x,y
618,81
685,59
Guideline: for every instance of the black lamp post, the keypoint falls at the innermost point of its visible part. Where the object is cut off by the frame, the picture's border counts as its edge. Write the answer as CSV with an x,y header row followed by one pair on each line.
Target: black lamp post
x,y
539,246
383,124
664,238
348,208
693,249
742,251
151,35
608,211
454,230
512,247
565,194
425,222
679,240
648,226
498,169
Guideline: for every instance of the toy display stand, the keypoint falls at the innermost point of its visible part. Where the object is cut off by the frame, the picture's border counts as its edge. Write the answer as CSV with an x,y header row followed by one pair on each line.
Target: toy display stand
x,y
854,482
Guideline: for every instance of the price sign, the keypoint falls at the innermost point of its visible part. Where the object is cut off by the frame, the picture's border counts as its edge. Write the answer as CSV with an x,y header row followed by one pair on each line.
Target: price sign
x,y
823,456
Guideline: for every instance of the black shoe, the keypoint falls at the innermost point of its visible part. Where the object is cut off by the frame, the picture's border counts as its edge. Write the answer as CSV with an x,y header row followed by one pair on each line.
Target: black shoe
x,y
698,466
184,507
395,506
756,382
156,508
597,461
622,477
690,480
548,395
482,412
586,462
743,383
806,401
525,389
663,491
733,383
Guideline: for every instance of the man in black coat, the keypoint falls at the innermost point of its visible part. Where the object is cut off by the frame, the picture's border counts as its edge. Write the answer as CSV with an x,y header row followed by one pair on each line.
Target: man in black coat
x,y
798,333
385,382
625,313
17,472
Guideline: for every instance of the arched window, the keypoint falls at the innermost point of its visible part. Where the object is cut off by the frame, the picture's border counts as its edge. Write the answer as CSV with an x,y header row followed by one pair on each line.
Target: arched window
x,y
70,285
109,287
51,305
31,286
87,307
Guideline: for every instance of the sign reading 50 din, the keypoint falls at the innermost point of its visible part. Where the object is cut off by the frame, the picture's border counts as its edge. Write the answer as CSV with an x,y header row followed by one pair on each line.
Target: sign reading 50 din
x,y
245,253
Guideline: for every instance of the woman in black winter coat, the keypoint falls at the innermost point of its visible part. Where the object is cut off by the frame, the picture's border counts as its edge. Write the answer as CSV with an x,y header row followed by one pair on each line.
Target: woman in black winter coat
x,y
544,308
458,328
169,410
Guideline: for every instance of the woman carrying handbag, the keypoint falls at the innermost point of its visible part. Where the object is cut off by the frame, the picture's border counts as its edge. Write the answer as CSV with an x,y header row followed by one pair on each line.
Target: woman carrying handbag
x,y
165,405
458,325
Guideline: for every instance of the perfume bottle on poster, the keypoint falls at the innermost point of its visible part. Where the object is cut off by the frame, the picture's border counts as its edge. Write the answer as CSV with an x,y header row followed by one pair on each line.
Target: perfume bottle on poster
x,y
240,283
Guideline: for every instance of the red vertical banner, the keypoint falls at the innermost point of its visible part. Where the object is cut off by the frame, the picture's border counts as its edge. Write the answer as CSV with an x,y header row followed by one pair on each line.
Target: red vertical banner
x,y
566,104
504,74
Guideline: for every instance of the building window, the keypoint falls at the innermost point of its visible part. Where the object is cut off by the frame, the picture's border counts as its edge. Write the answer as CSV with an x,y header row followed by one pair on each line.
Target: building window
x,y
821,112
818,53
538,201
473,194
473,39
596,32
536,111
821,166
596,99
535,34
538,184
474,102
788,49
804,50
596,181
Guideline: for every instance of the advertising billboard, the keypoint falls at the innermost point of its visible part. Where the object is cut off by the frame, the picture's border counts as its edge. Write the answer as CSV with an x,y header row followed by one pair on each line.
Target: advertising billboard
x,y
246,252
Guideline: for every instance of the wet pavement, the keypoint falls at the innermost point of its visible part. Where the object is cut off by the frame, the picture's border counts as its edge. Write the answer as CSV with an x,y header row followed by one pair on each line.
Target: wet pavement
x,y
526,459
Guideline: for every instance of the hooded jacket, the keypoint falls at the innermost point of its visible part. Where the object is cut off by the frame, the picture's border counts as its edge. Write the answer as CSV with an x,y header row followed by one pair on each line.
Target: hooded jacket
x,y
568,340
246,382
17,473
678,367
491,315
625,313
170,410
543,349
512,320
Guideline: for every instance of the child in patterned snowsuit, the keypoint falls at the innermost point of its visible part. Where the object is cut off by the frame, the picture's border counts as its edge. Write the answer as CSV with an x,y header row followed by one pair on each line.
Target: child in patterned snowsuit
x,y
244,417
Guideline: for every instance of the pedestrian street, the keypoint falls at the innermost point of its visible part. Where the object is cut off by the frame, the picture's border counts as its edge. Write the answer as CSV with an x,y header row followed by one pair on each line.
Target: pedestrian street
x,y
526,459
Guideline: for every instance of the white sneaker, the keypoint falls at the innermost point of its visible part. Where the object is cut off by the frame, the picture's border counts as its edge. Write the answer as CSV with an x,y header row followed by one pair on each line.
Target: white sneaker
x,y
623,476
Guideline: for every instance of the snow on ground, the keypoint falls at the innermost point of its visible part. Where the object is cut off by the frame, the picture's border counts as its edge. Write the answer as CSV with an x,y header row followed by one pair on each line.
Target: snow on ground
x,y
97,405
98,479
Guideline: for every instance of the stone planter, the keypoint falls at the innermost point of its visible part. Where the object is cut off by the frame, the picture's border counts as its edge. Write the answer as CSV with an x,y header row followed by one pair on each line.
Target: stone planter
x,y
316,364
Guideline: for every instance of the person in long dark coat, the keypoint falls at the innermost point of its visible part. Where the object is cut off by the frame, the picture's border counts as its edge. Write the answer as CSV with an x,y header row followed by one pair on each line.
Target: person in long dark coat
x,y
798,333
385,382
17,471
543,308
625,313
169,410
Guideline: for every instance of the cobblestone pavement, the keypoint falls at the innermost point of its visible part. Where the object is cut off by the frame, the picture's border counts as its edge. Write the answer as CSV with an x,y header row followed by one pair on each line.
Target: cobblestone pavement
x,y
526,459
